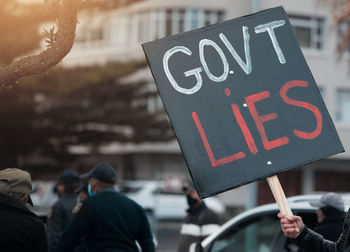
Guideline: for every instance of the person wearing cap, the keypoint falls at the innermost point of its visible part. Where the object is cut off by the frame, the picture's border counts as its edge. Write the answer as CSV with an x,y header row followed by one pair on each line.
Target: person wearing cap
x,y
199,222
294,228
62,210
21,230
330,216
109,220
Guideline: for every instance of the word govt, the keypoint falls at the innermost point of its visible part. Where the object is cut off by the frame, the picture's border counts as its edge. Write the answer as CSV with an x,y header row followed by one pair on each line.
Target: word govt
x,y
245,65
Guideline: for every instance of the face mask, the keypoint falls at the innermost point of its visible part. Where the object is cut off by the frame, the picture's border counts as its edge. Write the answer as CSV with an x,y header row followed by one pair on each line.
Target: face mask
x,y
91,193
191,201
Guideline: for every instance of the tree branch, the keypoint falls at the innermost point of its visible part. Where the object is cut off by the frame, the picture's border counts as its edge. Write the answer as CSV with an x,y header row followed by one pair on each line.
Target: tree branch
x,y
341,12
64,39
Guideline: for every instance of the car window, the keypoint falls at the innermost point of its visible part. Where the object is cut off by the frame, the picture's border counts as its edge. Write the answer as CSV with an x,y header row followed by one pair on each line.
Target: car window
x,y
254,235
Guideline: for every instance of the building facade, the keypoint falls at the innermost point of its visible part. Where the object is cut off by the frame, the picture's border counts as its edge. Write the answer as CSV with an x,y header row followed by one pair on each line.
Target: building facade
x,y
116,35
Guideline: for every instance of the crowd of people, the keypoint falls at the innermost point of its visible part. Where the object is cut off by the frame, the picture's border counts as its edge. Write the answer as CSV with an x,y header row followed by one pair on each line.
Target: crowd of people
x,y
90,215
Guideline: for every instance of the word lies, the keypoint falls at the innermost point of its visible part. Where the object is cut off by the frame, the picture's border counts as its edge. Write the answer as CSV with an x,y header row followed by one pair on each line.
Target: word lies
x,y
259,121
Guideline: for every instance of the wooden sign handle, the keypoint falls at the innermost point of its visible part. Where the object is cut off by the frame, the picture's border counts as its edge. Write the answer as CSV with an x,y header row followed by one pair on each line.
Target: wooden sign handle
x,y
279,196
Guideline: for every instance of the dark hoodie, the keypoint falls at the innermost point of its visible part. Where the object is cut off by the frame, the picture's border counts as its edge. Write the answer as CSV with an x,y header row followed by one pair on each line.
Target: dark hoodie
x,y
331,227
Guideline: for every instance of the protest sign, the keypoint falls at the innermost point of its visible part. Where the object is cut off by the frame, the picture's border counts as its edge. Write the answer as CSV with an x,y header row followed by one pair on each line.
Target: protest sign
x,y
242,100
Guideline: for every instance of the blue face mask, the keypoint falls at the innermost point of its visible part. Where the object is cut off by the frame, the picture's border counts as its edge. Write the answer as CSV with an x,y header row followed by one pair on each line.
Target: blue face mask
x,y
91,193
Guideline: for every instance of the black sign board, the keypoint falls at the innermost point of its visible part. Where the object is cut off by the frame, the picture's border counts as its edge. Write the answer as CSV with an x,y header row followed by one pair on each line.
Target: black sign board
x,y
242,100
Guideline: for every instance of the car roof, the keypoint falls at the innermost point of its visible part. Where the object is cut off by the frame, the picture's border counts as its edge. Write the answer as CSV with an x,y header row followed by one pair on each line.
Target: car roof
x,y
317,195
296,203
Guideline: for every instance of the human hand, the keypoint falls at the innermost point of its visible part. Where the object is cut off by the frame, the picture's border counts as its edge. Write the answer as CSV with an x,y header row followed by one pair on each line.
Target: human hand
x,y
291,226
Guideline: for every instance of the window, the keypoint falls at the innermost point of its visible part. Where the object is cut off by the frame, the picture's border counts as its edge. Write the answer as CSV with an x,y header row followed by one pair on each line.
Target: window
x,y
181,20
343,106
169,18
220,16
309,31
96,34
150,25
91,33
213,17
160,23
194,19
134,28
143,27
120,30
255,235
155,24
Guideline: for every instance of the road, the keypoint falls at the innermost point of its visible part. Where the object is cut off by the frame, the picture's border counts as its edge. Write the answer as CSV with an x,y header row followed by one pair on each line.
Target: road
x,y
167,235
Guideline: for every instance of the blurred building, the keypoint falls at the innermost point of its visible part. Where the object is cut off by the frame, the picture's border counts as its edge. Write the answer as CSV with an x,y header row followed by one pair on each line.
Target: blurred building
x,y
115,34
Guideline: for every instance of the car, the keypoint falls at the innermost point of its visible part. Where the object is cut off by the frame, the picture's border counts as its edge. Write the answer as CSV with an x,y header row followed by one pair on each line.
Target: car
x,y
164,202
258,229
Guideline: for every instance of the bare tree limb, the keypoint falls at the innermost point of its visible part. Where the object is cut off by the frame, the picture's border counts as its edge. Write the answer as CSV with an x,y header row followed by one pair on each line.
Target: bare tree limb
x,y
344,44
341,14
64,39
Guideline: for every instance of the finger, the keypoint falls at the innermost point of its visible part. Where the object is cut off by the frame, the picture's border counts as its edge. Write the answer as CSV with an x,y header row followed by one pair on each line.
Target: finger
x,y
288,226
286,221
290,231
294,218
281,215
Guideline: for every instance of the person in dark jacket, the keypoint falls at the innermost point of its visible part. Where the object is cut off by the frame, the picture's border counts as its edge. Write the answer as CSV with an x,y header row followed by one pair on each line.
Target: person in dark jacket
x,y
294,228
199,222
62,210
21,230
83,194
109,220
330,216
